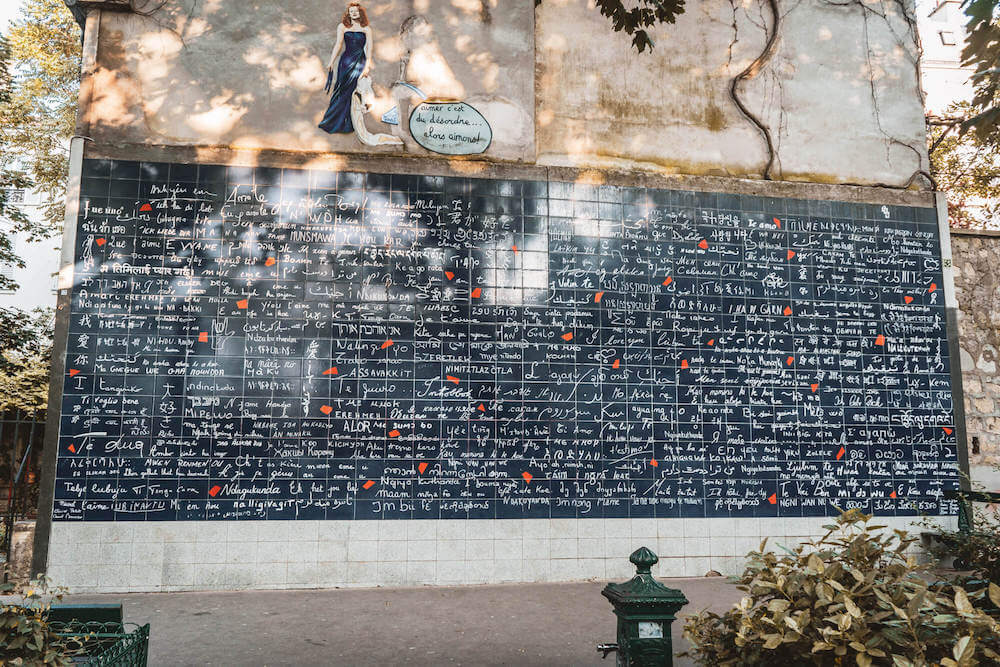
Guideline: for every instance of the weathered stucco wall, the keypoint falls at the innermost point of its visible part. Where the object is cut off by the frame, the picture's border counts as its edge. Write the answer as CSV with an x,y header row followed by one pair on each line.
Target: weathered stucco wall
x,y
977,285
225,73
837,93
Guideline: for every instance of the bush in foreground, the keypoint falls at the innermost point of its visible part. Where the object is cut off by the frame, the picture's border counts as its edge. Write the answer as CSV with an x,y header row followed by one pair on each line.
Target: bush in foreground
x,y
852,597
25,636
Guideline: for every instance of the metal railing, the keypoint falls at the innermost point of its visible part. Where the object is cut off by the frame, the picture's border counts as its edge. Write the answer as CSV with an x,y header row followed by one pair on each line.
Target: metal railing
x,y
20,444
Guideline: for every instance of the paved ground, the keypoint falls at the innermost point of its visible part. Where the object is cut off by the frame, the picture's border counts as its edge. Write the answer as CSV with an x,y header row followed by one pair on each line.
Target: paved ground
x,y
530,625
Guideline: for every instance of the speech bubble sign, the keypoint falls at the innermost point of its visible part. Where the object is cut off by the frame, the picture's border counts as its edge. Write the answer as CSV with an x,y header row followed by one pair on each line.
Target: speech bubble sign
x,y
450,128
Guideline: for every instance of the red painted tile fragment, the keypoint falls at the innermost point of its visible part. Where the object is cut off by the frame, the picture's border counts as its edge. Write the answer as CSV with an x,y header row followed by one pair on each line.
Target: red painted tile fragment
x,y
618,362
777,222
773,499
476,293
481,408
788,310
908,299
101,242
932,287
892,495
790,360
270,261
452,379
515,250
243,305
654,463
367,485
598,297
880,340
203,337
145,207
449,275
840,454
422,467
814,387
684,363
703,244
791,253
326,409
668,281
711,342
388,343
946,430
214,491
567,336
393,433
72,448
527,476
73,372
331,371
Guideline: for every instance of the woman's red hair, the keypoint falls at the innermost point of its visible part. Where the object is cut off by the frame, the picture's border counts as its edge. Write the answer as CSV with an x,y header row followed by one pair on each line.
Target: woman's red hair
x,y
363,19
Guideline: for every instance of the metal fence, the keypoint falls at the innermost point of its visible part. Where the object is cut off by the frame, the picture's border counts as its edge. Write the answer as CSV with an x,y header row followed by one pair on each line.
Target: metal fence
x,y
20,458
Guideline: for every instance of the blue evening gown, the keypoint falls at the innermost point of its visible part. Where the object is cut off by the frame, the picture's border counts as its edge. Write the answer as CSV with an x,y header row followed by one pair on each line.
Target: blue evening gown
x,y
352,63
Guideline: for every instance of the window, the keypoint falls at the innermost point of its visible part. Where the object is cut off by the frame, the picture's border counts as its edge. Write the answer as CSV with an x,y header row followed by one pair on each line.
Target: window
x,y
947,37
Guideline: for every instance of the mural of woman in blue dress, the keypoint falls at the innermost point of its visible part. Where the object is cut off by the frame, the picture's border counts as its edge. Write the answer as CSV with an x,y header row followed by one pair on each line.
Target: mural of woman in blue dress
x,y
354,38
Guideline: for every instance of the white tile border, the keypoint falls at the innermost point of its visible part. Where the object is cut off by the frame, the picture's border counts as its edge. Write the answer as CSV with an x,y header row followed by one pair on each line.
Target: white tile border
x,y
183,556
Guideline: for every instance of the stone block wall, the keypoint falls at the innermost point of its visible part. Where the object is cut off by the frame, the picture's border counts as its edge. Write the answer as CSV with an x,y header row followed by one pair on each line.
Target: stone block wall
x,y
977,285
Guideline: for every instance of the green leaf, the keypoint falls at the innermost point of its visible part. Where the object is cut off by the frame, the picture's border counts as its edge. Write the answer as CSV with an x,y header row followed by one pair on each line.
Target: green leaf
x,y
962,603
852,608
778,604
963,649
994,592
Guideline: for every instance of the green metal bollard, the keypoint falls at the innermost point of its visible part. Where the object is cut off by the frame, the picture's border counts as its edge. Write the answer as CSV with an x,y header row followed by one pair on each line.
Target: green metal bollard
x,y
645,609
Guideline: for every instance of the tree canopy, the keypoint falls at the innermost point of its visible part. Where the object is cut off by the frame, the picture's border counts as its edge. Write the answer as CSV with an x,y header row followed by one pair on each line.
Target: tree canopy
x,y
39,80
982,52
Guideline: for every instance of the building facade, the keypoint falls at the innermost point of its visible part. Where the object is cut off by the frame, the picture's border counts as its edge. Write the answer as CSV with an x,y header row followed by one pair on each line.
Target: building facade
x,y
36,282
424,293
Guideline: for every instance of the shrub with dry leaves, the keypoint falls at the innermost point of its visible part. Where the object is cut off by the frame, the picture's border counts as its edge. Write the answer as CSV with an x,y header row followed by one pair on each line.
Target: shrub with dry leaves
x,y
25,635
853,597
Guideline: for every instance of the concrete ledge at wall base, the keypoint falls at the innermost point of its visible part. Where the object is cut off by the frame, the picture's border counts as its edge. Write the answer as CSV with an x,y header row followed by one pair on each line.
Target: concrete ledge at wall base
x,y
190,556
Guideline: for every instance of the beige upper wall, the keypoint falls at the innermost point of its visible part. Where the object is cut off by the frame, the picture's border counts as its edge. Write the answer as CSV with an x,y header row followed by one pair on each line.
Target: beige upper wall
x,y
251,74
840,94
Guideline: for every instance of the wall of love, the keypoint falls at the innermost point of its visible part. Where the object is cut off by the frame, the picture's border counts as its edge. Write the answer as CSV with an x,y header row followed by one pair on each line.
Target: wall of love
x,y
290,344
